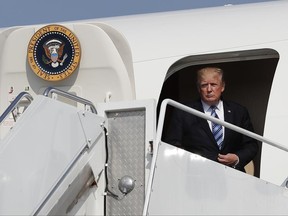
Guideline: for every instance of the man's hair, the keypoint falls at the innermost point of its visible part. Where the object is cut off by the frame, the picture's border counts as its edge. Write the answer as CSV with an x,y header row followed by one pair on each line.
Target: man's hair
x,y
215,69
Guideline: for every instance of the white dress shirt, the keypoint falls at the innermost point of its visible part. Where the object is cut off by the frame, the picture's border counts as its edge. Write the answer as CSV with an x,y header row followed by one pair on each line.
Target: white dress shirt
x,y
219,111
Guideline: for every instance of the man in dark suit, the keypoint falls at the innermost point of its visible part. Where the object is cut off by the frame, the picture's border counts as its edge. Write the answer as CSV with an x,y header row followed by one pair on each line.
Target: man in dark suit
x,y
198,136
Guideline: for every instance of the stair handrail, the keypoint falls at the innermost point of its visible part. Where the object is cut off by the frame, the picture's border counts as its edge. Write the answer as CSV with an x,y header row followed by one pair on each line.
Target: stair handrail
x,y
210,118
15,103
50,90
199,114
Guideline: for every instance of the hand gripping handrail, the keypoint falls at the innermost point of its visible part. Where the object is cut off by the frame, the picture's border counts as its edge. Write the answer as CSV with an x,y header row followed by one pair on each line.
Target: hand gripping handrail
x,y
15,103
201,115
48,92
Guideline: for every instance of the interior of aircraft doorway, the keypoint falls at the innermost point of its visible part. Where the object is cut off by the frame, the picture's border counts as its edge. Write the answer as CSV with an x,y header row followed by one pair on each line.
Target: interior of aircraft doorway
x,y
248,75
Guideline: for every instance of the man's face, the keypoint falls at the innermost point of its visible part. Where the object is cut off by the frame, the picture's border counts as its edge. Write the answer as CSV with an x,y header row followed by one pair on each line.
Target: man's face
x,y
210,86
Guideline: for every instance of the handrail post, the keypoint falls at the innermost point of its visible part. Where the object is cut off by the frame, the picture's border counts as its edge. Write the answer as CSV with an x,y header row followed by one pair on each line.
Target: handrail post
x,y
51,90
14,104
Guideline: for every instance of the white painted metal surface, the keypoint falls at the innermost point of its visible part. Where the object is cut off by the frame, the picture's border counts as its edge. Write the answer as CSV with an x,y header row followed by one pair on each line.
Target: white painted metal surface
x,y
188,184
39,151
105,68
170,36
149,45
173,36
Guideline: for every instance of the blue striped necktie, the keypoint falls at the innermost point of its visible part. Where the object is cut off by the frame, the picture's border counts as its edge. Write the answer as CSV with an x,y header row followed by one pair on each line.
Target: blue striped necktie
x,y
216,128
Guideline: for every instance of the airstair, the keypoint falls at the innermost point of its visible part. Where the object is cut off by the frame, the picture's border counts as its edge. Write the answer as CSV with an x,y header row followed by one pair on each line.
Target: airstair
x,y
63,159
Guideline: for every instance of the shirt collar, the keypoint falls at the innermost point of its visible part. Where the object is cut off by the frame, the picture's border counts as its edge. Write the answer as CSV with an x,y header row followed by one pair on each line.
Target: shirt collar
x,y
206,107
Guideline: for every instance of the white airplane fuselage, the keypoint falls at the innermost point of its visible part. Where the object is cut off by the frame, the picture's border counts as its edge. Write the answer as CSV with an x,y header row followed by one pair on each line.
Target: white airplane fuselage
x,y
155,56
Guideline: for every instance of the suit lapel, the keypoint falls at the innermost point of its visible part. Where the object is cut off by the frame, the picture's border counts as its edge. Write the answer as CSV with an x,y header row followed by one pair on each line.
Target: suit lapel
x,y
228,116
203,122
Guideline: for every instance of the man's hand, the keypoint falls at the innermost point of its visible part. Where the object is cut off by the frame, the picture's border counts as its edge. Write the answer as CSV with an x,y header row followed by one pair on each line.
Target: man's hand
x,y
228,159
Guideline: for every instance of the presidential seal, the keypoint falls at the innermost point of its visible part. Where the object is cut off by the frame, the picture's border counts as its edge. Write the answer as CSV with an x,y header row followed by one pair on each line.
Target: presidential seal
x,y
54,53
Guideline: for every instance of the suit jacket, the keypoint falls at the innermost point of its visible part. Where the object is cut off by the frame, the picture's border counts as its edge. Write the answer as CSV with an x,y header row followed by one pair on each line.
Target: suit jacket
x,y
193,134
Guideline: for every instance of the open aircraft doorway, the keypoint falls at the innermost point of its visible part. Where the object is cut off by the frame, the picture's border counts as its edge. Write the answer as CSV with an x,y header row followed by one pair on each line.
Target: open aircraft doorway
x,y
248,75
